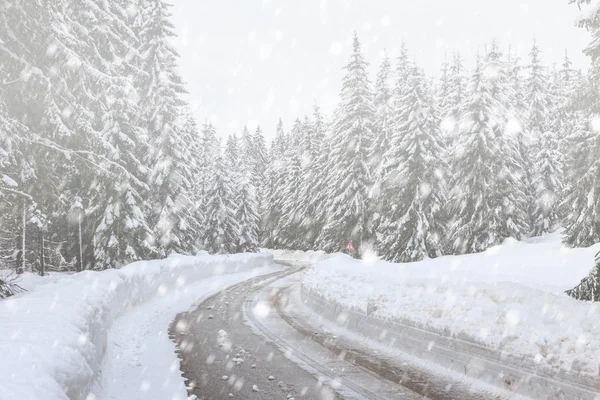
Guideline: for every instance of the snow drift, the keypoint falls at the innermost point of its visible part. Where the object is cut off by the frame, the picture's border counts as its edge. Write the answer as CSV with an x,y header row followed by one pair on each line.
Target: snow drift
x,y
297,255
53,339
510,298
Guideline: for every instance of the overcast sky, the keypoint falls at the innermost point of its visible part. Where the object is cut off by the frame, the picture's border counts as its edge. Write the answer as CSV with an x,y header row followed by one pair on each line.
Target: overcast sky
x,y
253,61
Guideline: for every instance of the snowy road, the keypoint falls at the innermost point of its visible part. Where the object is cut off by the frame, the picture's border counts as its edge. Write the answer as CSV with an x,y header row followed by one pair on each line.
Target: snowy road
x,y
239,344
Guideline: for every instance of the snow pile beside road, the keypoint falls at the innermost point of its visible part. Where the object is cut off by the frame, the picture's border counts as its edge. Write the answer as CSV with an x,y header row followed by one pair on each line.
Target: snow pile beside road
x,y
53,339
297,255
30,281
509,297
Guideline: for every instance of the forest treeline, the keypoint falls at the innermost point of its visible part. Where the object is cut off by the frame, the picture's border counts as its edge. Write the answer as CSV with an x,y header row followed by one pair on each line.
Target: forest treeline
x,y
102,162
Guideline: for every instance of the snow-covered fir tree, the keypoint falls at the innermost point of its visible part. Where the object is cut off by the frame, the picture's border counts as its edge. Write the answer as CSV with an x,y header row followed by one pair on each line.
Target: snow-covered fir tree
x,y
247,214
209,150
413,227
122,234
233,152
293,205
567,114
542,148
548,184
349,175
261,163
581,203
313,186
276,178
450,105
222,227
443,98
519,127
382,133
582,200
487,200
161,88
15,173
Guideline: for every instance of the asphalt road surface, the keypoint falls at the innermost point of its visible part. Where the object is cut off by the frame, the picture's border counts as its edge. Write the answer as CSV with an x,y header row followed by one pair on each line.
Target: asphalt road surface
x,y
247,343
223,358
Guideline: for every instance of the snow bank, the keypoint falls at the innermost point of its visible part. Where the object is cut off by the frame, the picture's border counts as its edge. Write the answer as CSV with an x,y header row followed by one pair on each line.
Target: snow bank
x,y
53,339
30,281
297,255
509,297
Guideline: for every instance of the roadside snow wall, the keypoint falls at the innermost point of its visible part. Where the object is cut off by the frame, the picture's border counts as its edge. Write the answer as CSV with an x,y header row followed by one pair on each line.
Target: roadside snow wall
x,y
494,326
53,339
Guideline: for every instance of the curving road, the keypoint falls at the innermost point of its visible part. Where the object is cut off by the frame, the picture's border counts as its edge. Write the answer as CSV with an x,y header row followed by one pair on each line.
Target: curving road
x,y
237,345
251,342
223,358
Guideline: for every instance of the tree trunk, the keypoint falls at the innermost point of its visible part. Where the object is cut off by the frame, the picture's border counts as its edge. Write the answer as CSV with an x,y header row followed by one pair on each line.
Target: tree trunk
x,y
24,235
42,261
19,258
80,254
20,241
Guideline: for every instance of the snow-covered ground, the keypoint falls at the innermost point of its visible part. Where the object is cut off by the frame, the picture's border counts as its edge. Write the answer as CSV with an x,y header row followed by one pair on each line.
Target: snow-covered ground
x,y
55,338
509,297
297,255
30,281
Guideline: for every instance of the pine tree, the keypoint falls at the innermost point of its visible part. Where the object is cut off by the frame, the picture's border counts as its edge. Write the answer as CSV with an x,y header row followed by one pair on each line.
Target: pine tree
x,y
313,187
161,104
276,178
294,160
14,176
260,154
565,113
545,181
403,67
233,152
34,93
209,150
222,228
247,215
82,177
548,185
383,127
582,198
297,138
280,143
293,205
519,127
349,182
581,201
191,142
122,234
261,165
451,105
443,98
488,198
413,227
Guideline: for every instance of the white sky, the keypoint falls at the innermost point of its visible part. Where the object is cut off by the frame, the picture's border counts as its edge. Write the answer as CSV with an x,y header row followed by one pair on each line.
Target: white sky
x,y
253,61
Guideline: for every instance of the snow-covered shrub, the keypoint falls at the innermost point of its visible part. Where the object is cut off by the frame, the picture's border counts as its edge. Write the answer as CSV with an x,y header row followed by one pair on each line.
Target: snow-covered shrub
x,y
589,287
8,284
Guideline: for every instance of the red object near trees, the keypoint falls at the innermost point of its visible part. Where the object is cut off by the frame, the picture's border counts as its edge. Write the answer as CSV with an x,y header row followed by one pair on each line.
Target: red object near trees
x,y
350,246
